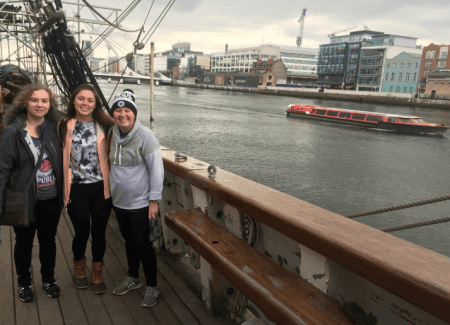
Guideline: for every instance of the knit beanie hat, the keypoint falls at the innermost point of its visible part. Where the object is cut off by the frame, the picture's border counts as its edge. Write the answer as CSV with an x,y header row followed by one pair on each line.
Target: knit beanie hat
x,y
125,99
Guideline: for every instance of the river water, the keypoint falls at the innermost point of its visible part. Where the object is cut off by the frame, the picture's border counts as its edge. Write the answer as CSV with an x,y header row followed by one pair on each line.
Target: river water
x,y
342,169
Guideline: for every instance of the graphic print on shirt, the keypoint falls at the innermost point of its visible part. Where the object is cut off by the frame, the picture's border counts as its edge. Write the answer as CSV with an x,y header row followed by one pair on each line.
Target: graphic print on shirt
x,y
45,175
84,145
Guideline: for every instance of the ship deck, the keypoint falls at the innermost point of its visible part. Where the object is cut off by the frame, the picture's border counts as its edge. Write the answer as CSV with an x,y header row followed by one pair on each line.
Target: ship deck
x,y
177,303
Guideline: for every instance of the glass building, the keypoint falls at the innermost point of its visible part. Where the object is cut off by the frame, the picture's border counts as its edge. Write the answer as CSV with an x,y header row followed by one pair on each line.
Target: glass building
x,y
338,64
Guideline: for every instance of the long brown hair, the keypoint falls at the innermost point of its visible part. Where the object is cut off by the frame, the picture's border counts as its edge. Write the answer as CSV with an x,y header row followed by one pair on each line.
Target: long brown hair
x,y
19,110
100,116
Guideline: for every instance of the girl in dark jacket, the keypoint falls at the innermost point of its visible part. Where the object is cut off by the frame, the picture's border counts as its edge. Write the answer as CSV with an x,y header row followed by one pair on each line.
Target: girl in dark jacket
x,y
29,123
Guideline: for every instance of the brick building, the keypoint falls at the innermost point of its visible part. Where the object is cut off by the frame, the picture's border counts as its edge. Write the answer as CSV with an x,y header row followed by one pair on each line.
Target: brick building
x,y
434,56
276,67
239,79
438,84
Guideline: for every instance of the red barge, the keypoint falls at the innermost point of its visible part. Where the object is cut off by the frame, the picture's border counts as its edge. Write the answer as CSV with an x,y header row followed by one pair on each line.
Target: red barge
x,y
374,120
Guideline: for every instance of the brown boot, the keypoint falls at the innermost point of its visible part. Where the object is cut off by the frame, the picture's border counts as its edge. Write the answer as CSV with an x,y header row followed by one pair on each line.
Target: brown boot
x,y
97,278
79,278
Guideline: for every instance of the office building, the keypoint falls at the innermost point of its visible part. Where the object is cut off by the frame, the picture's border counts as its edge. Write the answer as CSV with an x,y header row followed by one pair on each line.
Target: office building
x,y
301,63
338,64
374,54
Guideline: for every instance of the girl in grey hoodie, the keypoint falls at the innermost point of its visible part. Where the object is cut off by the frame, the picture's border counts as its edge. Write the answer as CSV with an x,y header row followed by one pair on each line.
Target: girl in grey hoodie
x,y
137,175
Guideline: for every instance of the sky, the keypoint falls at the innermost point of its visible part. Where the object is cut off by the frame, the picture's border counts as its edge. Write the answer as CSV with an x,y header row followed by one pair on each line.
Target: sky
x,y
210,24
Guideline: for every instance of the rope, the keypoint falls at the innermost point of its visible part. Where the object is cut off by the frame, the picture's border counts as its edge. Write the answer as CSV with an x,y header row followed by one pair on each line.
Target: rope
x,y
117,83
416,225
69,66
165,11
110,23
399,207
110,29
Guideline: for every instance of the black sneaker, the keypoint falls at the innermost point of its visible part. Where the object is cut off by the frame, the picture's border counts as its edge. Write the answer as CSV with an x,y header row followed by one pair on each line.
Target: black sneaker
x,y
26,294
52,289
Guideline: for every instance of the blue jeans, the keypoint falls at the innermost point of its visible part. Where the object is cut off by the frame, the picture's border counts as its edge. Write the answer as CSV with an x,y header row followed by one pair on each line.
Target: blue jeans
x,y
135,229
46,225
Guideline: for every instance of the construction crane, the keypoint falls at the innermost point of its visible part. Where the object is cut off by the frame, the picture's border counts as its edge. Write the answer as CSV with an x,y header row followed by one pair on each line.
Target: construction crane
x,y
346,29
302,24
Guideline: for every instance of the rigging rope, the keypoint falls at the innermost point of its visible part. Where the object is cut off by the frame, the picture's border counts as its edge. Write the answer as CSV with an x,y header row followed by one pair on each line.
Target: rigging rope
x,y
110,23
165,11
399,207
69,66
416,225
110,29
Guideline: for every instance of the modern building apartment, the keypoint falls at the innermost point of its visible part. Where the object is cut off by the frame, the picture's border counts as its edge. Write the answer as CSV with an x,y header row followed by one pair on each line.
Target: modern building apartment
x,y
301,63
434,56
140,64
401,73
338,64
375,52
165,65
181,53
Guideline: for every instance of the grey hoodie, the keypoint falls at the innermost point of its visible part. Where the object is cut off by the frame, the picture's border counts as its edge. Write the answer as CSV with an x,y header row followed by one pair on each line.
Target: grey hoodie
x,y
137,170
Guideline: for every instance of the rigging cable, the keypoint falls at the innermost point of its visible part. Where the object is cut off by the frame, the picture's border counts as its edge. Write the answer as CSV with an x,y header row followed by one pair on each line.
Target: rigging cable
x,y
110,23
399,207
110,29
416,225
406,206
63,52
165,11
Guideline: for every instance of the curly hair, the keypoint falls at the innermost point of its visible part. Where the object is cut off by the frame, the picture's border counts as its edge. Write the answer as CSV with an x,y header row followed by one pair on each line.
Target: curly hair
x,y
19,110
99,115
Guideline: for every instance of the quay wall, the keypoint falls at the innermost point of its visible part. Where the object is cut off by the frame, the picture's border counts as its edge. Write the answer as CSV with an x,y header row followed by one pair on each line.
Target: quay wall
x,y
333,94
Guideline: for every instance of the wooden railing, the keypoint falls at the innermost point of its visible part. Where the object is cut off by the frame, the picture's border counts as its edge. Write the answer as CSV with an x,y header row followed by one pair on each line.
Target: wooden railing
x,y
387,277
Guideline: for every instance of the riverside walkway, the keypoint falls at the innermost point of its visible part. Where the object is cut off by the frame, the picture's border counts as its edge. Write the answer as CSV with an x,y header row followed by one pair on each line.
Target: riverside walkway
x,y
177,304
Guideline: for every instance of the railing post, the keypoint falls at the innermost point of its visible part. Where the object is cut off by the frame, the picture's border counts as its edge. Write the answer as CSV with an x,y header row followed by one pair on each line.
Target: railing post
x,y
173,243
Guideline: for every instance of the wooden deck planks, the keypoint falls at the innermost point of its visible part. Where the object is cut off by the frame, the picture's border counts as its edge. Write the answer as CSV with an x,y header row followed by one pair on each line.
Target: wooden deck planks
x,y
183,301
7,278
176,304
26,313
49,310
160,313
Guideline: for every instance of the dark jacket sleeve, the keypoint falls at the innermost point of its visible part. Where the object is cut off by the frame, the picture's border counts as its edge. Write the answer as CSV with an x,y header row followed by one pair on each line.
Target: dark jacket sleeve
x,y
8,158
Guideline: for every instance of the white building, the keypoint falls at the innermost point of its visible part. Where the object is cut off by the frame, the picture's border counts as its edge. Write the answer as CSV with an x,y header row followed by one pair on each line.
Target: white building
x,y
298,61
374,54
141,64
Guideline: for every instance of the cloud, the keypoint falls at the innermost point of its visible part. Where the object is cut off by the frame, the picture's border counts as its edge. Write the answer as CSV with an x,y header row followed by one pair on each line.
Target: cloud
x,y
209,25
186,5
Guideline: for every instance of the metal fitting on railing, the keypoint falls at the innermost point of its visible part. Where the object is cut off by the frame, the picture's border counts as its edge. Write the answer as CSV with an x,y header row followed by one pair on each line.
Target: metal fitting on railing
x,y
212,171
179,156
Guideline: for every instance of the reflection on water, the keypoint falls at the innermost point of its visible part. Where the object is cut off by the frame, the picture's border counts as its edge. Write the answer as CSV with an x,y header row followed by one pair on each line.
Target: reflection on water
x,y
343,169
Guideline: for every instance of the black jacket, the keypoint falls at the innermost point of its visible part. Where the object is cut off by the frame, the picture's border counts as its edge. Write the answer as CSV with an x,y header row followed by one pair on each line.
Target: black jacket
x,y
17,161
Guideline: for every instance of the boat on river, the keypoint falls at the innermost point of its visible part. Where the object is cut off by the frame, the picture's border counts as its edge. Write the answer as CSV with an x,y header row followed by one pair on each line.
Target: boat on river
x,y
372,120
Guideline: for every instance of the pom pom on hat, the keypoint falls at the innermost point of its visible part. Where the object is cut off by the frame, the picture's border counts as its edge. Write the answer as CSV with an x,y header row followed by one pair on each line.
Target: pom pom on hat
x,y
125,99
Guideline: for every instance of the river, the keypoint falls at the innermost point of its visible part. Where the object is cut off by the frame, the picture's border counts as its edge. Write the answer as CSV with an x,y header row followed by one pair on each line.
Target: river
x,y
342,169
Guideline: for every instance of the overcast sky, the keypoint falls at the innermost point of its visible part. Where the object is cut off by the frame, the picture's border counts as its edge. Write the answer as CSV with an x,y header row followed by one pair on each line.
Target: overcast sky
x,y
209,24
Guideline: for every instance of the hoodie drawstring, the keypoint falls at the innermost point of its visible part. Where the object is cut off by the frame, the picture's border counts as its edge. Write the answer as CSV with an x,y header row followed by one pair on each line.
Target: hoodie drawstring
x,y
115,155
120,155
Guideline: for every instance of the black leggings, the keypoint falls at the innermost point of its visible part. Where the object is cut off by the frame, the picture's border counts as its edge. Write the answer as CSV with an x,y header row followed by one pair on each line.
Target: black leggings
x,y
87,201
135,229
46,225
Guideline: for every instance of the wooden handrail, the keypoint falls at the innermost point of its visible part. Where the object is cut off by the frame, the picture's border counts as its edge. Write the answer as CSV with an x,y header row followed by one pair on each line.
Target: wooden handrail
x,y
411,272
